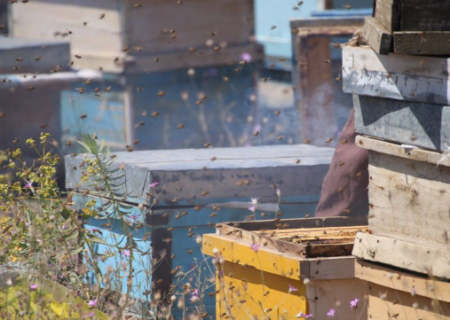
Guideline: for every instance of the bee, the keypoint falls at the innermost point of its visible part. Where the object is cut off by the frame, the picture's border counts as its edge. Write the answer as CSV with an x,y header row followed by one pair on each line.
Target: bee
x,y
213,159
19,59
177,216
169,229
273,27
102,16
300,3
184,213
138,5
327,61
190,252
140,124
217,48
308,215
197,208
306,141
180,126
265,79
83,116
207,145
139,225
329,140
108,89
42,126
136,141
78,56
347,6
205,193
155,114
139,89
161,93
346,211
280,137
159,281
225,79
359,174
167,240
338,78
106,225
31,88
125,49
256,133
298,161
341,164
277,113
212,215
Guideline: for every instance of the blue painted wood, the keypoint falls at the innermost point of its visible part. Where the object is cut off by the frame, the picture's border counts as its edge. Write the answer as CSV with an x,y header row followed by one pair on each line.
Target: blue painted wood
x,y
363,12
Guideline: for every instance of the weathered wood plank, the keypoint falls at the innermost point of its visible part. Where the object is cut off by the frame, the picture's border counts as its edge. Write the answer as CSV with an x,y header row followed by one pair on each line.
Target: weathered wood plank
x,y
420,124
419,15
405,255
387,14
409,200
378,38
422,43
399,77
405,152
28,56
385,303
402,281
242,177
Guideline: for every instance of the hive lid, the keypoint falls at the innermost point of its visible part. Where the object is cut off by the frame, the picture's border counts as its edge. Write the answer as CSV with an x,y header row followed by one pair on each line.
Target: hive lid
x,y
219,173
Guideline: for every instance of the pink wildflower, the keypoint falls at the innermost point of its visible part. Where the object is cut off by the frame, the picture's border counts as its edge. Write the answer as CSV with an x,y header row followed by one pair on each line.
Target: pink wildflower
x,y
331,313
292,288
354,303
304,315
34,286
126,253
92,303
247,57
133,217
194,296
153,184
252,208
255,247
28,185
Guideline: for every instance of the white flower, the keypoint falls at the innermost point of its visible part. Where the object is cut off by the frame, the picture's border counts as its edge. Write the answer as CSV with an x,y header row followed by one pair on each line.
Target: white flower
x,y
306,281
254,201
198,239
216,251
173,298
278,193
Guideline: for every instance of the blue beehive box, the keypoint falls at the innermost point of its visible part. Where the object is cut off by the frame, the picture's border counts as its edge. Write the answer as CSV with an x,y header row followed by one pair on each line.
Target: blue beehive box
x,y
192,185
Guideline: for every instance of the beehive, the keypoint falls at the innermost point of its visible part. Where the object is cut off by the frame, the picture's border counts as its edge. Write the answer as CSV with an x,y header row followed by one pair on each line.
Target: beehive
x,y
104,30
195,183
259,281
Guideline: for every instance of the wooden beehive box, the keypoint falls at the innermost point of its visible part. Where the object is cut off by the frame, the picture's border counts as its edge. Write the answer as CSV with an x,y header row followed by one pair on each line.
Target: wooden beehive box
x,y
408,215
135,33
194,184
410,27
31,56
323,107
257,281
396,294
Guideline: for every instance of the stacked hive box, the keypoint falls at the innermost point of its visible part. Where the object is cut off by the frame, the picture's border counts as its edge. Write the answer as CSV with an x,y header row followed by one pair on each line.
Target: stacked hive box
x,y
409,27
192,65
323,107
196,192
401,106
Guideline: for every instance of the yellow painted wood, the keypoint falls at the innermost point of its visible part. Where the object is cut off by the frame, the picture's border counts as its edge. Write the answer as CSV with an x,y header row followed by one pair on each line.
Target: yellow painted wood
x,y
247,293
265,259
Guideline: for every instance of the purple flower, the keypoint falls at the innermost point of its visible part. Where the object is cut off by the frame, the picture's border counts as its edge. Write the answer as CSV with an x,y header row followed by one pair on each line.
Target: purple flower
x,y
91,315
292,288
194,296
255,247
247,57
331,313
28,185
354,303
34,286
126,253
153,184
92,303
252,208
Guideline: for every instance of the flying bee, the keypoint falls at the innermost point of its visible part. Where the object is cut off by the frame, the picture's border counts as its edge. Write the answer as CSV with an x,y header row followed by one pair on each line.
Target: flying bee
x,y
161,93
180,126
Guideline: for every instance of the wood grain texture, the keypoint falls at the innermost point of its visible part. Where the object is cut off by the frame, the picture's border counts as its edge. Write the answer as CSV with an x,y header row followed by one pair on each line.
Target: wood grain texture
x,y
418,15
403,281
399,77
26,56
378,38
241,175
422,43
401,254
420,124
388,15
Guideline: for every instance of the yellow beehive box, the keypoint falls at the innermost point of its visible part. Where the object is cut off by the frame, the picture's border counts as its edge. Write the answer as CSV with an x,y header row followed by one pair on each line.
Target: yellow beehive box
x,y
298,268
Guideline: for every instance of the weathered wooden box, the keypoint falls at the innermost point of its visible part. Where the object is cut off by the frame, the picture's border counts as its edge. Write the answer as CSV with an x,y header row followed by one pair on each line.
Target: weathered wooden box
x,y
264,262
395,294
135,33
31,56
409,27
199,188
323,107
395,76
414,123
409,208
